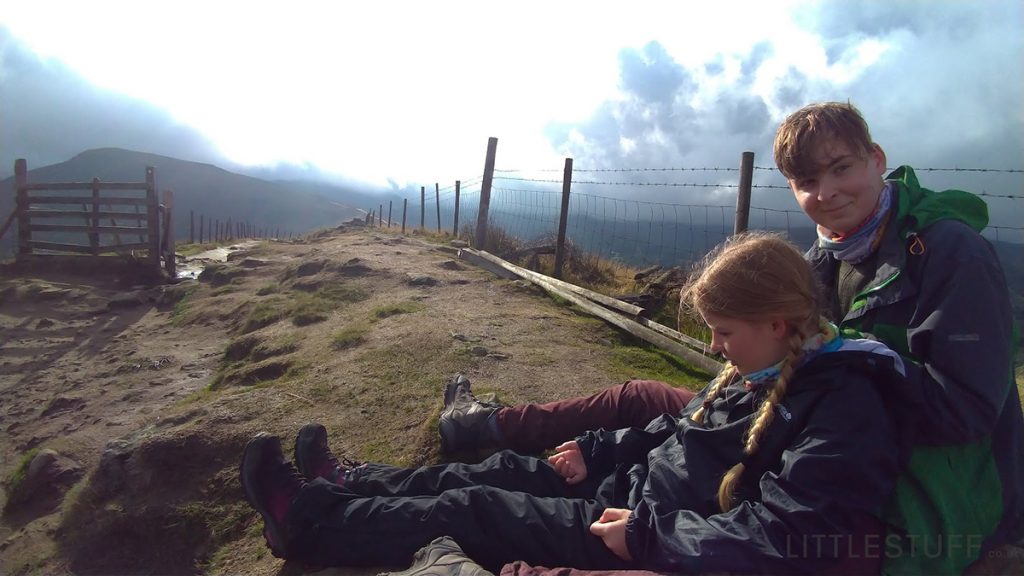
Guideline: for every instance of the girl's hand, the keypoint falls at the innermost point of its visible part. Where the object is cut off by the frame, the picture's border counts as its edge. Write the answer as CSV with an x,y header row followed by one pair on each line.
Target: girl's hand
x,y
568,462
611,528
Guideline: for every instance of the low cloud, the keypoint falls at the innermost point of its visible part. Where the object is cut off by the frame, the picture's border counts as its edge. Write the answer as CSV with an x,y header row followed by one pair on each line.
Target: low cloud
x,y
50,114
941,95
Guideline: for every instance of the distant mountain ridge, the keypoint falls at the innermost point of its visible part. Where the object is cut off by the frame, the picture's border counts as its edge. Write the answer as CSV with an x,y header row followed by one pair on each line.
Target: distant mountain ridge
x,y
207,190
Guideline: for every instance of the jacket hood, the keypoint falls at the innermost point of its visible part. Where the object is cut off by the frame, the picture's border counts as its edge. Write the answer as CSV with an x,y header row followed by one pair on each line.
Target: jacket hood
x,y
920,207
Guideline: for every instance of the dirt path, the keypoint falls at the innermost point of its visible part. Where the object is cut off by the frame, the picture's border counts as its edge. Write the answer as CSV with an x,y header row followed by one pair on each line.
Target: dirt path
x,y
152,392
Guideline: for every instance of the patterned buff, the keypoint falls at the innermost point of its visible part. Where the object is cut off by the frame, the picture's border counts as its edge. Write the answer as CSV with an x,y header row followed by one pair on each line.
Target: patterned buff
x,y
826,340
858,244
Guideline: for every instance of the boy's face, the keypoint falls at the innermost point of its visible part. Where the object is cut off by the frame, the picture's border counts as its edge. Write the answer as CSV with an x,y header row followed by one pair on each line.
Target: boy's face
x,y
845,190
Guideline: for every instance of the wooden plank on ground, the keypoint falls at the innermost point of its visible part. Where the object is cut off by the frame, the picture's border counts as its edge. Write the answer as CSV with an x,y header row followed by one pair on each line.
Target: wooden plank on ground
x,y
634,327
541,278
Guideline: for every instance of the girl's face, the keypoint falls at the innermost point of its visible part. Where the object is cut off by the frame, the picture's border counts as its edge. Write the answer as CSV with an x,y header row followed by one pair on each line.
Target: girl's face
x,y
750,346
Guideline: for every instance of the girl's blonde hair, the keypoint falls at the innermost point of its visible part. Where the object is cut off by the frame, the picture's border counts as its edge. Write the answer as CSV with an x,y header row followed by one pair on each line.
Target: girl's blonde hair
x,y
755,277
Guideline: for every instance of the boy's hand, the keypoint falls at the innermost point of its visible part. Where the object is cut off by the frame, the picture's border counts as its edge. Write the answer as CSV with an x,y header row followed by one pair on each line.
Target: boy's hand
x,y
568,462
611,528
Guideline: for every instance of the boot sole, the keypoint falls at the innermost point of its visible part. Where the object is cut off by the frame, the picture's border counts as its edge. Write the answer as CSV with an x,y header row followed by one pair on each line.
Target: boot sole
x,y
252,461
451,388
446,429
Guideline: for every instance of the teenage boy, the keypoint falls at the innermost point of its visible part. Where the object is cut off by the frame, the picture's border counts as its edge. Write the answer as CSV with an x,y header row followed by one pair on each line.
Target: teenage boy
x,y
904,265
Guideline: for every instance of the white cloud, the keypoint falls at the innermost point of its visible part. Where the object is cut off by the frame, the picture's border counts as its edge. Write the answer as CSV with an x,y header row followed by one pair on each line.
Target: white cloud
x,y
410,91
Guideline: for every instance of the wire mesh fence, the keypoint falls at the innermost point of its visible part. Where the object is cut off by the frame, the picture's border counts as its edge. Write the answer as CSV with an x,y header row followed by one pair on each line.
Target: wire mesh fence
x,y
608,215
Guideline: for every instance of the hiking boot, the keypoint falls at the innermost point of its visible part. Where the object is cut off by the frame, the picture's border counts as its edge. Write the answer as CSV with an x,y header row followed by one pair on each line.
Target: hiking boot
x,y
466,422
315,459
442,557
271,484
452,387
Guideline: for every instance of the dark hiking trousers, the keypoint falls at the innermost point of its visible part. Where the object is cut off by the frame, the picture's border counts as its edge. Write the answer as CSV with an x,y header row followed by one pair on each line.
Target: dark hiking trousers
x,y
533,428
506,508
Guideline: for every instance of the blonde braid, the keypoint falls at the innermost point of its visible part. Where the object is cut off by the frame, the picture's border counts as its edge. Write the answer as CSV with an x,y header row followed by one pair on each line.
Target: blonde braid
x,y
725,376
765,415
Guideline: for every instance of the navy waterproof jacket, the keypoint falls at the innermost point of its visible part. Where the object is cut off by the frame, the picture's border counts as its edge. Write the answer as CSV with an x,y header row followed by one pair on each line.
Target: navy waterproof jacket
x,y
810,495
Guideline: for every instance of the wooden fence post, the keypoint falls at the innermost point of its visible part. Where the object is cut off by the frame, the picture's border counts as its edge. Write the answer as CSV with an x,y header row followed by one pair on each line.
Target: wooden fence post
x,y
168,249
563,218
405,208
423,207
480,241
21,205
154,221
390,202
437,200
12,216
455,226
94,223
380,216
743,195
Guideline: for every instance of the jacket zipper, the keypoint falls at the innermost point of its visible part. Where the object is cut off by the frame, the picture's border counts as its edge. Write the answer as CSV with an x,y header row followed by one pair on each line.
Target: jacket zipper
x,y
860,300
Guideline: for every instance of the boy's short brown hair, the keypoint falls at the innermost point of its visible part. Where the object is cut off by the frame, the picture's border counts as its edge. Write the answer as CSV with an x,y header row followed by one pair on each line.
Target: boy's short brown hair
x,y
809,127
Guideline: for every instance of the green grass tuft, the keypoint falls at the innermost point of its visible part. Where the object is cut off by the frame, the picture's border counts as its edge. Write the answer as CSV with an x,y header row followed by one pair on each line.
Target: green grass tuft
x,y
648,362
310,310
279,346
263,314
342,293
220,274
18,475
349,337
268,289
396,309
180,315
187,250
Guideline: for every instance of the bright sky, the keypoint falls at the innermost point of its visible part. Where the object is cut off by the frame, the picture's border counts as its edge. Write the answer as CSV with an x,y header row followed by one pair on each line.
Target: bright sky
x,y
409,92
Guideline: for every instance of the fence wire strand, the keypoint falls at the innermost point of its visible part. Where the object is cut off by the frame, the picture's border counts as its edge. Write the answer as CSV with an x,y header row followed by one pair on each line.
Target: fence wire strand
x,y
634,231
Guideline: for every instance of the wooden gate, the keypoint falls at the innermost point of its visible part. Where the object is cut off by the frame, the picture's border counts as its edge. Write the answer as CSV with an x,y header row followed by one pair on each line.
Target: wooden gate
x,y
118,224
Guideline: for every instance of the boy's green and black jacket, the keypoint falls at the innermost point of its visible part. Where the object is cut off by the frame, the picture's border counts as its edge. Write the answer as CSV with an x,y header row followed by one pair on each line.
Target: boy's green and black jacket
x,y
938,296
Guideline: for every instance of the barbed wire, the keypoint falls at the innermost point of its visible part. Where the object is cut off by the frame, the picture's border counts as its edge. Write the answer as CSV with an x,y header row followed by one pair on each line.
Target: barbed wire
x,y
648,203
916,169
702,185
1010,196
671,169
997,170
766,168
594,182
801,212
503,189
463,184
